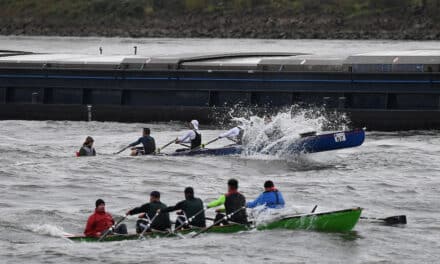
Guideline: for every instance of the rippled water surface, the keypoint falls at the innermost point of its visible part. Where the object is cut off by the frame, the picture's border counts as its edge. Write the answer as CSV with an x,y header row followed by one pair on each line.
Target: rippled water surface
x,y
46,191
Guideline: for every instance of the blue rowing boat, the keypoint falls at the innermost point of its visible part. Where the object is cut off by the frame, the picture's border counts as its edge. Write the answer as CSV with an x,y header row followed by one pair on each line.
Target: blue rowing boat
x,y
306,144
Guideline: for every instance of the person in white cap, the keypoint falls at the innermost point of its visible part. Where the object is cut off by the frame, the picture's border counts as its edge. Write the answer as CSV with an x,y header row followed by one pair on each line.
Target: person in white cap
x,y
192,136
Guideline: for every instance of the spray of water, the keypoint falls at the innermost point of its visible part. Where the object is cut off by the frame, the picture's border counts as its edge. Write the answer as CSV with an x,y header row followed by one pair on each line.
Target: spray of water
x,y
274,134
47,229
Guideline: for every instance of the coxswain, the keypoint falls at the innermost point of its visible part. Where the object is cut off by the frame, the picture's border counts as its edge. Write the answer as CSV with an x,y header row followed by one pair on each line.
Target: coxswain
x,y
192,136
147,213
270,198
233,201
87,148
100,221
191,206
234,134
149,145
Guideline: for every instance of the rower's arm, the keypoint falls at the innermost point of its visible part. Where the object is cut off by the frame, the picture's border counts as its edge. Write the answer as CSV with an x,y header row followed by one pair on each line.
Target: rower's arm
x,y
234,132
220,201
137,142
142,209
187,137
178,206
256,202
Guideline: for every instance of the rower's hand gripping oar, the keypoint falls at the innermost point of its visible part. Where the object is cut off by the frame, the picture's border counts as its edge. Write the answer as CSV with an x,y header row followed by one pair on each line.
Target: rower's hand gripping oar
x,y
391,220
164,146
226,217
141,235
189,220
113,227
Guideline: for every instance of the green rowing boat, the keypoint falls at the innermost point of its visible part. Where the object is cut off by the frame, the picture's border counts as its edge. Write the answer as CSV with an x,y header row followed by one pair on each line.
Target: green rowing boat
x,y
333,221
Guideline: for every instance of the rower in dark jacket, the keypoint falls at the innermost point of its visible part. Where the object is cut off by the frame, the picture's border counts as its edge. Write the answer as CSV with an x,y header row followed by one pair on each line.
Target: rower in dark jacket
x,y
190,207
148,211
149,145
234,202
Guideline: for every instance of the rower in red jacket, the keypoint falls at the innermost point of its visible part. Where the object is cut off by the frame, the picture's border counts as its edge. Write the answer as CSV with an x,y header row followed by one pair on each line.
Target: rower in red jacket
x,y
100,221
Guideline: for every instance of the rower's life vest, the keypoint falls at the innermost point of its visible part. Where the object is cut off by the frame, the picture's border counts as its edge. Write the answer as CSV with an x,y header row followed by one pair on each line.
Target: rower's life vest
x,y
197,141
277,195
88,151
233,202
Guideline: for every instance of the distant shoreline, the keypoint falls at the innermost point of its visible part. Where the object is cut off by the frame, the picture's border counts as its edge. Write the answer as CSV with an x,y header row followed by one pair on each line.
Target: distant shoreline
x,y
136,19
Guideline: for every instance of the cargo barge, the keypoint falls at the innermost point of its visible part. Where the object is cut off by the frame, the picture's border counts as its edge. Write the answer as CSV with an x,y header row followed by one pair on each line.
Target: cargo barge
x,y
380,91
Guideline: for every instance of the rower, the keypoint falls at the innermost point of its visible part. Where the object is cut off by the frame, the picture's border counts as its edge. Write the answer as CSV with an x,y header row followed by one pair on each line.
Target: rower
x,y
87,148
192,136
189,208
270,198
232,201
100,221
149,145
234,134
148,211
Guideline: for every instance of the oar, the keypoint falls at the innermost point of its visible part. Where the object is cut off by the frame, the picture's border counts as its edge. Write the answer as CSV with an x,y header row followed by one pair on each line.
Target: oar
x,y
229,221
107,232
116,153
391,220
164,146
184,145
141,235
189,220
209,142
226,217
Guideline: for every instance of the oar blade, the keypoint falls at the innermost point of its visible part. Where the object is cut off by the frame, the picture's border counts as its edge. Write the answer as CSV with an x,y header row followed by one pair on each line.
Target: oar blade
x,y
395,220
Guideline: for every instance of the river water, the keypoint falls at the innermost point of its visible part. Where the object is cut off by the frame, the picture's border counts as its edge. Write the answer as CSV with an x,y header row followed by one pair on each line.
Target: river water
x,y
45,191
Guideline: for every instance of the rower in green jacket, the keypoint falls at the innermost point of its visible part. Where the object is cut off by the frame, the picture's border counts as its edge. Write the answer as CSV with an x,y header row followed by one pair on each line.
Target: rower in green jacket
x,y
232,201
148,211
191,206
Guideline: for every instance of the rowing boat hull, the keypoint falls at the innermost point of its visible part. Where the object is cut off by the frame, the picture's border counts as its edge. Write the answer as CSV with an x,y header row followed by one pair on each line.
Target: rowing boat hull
x,y
311,144
334,221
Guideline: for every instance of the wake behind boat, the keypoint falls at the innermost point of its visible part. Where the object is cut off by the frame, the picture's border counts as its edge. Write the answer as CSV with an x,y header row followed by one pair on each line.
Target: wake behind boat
x,y
332,221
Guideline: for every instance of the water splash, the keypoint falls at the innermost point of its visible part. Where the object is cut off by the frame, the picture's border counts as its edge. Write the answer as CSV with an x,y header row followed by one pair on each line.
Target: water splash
x,y
47,229
273,134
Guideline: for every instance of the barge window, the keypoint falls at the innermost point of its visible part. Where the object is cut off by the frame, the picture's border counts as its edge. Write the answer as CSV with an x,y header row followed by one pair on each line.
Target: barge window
x,y
413,101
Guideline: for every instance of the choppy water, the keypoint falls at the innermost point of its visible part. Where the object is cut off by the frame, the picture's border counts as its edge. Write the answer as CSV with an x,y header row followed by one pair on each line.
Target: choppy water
x,y
160,46
45,191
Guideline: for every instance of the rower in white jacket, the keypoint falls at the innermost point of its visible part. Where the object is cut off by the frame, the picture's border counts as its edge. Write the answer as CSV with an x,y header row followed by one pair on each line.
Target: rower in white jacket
x,y
192,136
234,134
